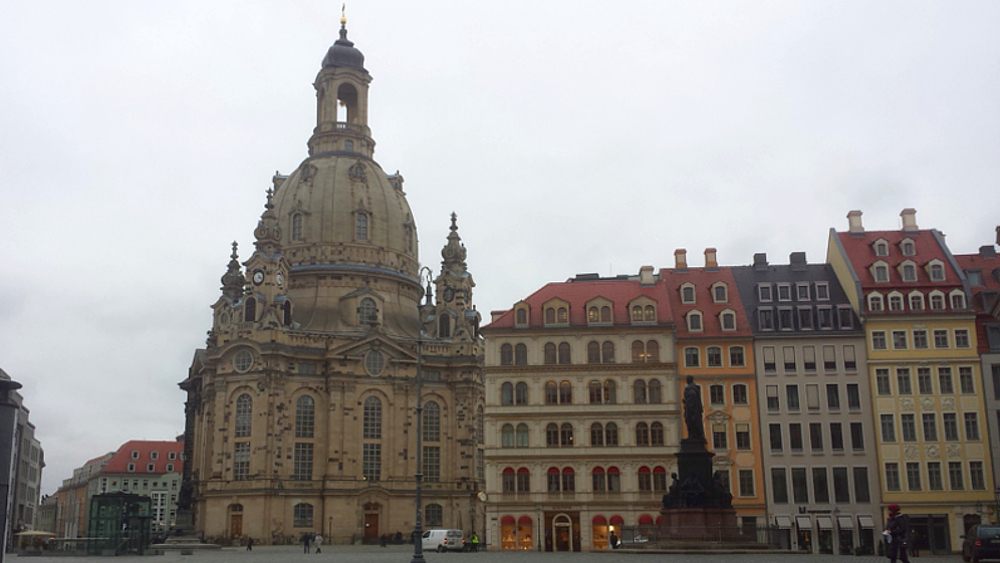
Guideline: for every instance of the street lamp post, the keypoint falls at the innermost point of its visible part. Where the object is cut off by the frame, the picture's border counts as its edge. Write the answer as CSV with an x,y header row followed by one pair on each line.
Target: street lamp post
x,y
418,529
538,513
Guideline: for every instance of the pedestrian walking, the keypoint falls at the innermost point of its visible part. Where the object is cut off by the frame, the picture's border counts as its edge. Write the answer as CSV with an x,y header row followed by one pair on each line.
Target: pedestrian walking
x,y
475,542
249,543
305,543
897,532
614,540
319,542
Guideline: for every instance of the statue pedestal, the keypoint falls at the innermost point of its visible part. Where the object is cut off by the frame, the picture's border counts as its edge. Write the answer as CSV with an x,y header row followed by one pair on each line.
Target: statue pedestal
x,y
698,524
696,510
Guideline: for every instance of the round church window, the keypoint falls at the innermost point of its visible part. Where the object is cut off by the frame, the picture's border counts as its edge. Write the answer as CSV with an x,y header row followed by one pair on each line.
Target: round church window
x,y
374,362
243,360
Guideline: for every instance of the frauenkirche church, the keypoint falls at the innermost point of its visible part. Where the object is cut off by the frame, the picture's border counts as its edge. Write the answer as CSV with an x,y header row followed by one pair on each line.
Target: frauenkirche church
x,y
301,411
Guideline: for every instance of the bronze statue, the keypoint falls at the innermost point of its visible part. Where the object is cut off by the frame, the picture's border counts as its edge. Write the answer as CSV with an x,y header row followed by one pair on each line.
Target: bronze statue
x,y
693,410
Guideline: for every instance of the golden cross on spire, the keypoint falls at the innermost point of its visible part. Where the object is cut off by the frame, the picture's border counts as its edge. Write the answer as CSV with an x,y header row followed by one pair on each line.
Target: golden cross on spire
x,y
343,14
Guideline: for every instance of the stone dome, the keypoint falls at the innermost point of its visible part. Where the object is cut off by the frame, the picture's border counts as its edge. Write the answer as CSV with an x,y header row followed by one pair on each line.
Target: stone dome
x,y
343,53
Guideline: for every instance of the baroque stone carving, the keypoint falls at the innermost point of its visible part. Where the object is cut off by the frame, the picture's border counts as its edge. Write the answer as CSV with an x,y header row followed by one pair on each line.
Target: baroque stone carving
x,y
910,452
948,403
954,451
357,172
906,404
934,452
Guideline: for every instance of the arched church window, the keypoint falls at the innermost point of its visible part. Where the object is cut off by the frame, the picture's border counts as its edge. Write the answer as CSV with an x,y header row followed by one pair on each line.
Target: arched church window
x,y
286,309
244,415
372,419
297,226
305,417
432,422
250,310
444,326
367,311
361,225
506,355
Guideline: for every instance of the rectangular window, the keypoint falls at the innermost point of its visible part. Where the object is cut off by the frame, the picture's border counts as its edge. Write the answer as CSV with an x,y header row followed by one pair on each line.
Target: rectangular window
x,y
955,477
908,427
785,319
302,463
784,292
836,437
950,426
961,338
809,358
912,476
861,492
769,362
878,340
241,461
792,394
888,426
432,464
821,487
833,396
746,483
841,486
829,357
802,290
853,396
903,383
795,437
945,382
774,431
965,381
822,291
845,317
825,315
882,381
773,402
816,436
929,423
371,462
764,291
779,485
805,318
719,437
800,486
857,437
935,480
977,478
736,357
920,339
766,317
971,427
892,477
899,340
850,361
924,383
788,352
812,396
940,338
743,436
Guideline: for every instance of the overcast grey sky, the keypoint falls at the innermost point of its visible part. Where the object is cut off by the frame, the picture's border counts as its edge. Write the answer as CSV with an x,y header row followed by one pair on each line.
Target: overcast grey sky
x,y
138,139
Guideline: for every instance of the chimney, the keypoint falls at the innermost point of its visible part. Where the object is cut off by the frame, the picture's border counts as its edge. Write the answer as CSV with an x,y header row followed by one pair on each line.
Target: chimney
x,y
710,261
798,260
760,261
854,221
680,259
909,216
988,251
646,276
494,315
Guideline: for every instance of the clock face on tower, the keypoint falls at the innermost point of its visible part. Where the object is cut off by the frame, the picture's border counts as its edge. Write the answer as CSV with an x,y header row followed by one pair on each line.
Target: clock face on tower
x,y
258,277
280,279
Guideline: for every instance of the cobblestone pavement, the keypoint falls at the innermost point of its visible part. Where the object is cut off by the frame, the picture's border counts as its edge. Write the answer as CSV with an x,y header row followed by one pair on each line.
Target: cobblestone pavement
x,y
404,554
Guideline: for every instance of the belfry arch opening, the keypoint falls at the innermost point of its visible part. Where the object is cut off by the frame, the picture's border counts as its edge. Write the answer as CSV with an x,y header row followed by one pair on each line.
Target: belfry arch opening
x,y
347,104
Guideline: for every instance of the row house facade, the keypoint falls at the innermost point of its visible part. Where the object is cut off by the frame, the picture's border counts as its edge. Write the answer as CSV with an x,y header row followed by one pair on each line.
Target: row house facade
x,y
146,468
715,346
582,416
814,405
924,374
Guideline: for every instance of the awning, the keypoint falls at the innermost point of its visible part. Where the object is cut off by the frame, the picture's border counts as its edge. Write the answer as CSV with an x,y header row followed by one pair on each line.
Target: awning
x,y
845,522
783,521
866,521
803,522
824,522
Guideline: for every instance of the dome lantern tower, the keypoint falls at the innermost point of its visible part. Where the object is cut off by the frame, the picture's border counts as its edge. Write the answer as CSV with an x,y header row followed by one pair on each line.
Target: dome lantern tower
x,y
342,101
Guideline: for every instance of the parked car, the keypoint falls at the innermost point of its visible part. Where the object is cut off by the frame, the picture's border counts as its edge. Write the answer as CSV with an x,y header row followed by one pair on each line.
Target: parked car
x,y
981,542
443,540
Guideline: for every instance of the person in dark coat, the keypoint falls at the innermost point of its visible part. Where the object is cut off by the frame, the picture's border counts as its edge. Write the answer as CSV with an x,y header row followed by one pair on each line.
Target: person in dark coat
x,y
898,532
249,543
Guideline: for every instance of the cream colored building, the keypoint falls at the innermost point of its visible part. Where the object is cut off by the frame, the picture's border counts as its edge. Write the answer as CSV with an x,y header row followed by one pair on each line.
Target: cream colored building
x,y
582,417
302,407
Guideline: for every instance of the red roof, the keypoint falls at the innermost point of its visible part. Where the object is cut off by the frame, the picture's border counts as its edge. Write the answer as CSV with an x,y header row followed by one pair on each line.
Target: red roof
x,y
140,453
703,279
861,253
620,292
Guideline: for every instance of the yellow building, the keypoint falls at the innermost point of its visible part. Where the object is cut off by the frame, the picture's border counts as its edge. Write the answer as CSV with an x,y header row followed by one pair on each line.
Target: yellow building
x,y
924,374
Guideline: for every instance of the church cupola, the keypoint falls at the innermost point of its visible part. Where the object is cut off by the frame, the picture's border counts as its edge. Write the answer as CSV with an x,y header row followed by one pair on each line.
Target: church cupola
x,y
455,316
233,281
342,102
267,232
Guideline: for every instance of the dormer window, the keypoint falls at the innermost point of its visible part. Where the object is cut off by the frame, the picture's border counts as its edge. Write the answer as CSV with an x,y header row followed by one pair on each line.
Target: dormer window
x,y
784,292
687,294
916,301
521,317
154,455
649,313
975,277
550,316
909,271
562,315
907,247
593,315
895,301
880,271
720,293
764,292
802,291
881,248
728,320
957,300
605,314
135,454
367,311
875,302
935,269
937,301
822,291
694,321
637,313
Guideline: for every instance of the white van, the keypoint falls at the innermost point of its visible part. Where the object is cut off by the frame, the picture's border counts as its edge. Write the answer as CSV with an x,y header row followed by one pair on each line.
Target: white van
x,y
443,540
